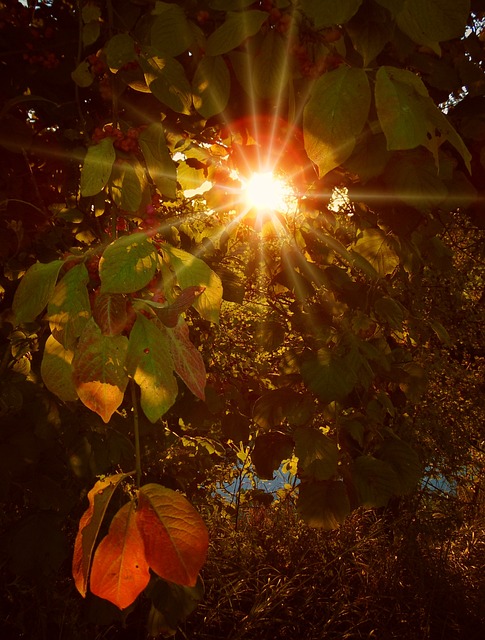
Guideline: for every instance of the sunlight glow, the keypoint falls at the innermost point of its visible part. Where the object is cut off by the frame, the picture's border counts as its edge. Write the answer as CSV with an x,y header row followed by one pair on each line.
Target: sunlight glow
x,y
267,192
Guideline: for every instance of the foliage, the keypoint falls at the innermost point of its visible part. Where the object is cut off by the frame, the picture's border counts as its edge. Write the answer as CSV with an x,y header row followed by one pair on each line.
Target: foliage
x,y
159,335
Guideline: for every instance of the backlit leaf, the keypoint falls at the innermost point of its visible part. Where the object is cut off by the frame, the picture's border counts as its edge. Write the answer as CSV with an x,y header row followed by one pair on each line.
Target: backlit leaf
x,y
170,32
326,13
335,115
99,370
110,313
159,162
237,27
270,72
191,271
369,30
127,184
168,83
175,536
276,405
120,571
375,481
328,376
317,454
187,359
373,245
390,311
150,364
35,290
97,167
211,86
69,308
127,264
324,504
431,21
56,370
89,526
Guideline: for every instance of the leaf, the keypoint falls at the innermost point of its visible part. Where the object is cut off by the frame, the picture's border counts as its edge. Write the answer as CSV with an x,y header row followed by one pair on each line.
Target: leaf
x,y
171,604
328,376
237,27
97,167
69,308
127,264
90,33
373,245
191,271
110,313
149,362
170,32
270,449
369,30
441,332
274,406
56,370
99,370
120,571
119,50
375,481
317,454
415,181
82,75
159,162
270,72
405,462
432,21
326,13
211,86
168,83
324,504
89,526
127,184
175,536
169,315
187,359
335,115
35,290
390,311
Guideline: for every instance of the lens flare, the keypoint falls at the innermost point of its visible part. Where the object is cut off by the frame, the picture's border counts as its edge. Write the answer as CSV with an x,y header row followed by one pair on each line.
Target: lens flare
x,y
266,192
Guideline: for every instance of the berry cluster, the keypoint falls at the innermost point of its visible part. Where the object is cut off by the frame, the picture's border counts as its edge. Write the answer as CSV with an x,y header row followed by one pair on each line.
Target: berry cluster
x,y
127,142
97,66
47,59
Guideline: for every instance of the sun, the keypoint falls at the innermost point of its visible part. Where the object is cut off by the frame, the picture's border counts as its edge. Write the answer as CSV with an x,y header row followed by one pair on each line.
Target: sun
x,y
266,192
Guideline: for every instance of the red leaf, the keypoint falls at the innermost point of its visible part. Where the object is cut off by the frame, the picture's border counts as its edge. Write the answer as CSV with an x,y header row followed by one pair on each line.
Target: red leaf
x,y
170,315
99,371
89,526
110,313
120,571
187,360
175,536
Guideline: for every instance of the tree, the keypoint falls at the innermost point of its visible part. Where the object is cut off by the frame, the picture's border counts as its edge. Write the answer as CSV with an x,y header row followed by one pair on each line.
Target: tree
x,y
152,314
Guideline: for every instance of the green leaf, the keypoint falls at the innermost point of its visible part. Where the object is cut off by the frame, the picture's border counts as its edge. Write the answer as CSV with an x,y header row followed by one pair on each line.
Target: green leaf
x,y
276,405
324,504
171,605
335,115
328,376
90,33
390,311
82,75
56,370
269,451
211,86
127,185
69,308
431,21
99,370
441,332
127,264
187,360
119,50
168,83
375,481
150,364
97,167
170,33
89,526
317,454
373,245
270,67
90,12
237,27
369,30
414,180
35,290
405,462
191,271
160,165
400,107
175,536
369,157
326,13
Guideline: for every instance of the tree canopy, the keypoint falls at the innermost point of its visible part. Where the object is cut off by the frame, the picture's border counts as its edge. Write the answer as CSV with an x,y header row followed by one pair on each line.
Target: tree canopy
x,y
164,333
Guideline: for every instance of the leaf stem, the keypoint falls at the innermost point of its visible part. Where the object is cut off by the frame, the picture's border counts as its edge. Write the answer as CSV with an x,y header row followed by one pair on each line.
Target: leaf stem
x,y
136,426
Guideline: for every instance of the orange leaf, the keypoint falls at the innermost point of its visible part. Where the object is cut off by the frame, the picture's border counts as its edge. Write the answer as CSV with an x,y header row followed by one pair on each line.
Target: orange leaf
x,y
89,526
174,534
110,313
187,360
99,371
120,571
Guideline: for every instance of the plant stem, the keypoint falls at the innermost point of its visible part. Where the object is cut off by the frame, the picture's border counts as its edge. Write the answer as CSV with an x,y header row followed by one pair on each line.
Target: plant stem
x,y
136,426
